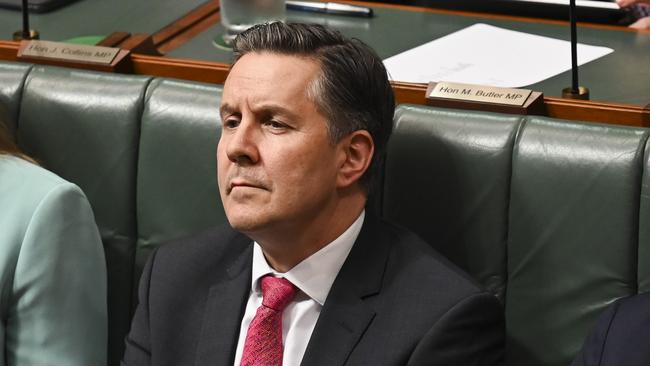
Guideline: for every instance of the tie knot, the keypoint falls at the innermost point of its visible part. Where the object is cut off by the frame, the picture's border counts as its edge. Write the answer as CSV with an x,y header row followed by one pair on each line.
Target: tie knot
x,y
277,293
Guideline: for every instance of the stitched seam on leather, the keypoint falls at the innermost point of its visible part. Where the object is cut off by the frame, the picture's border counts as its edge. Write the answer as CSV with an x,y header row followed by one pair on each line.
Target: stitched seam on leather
x,y
523,121
144,98
645,154
21,92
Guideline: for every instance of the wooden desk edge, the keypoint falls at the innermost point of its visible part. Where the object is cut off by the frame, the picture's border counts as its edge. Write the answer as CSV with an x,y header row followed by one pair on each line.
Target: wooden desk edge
x,y
216,73
187,26
579,110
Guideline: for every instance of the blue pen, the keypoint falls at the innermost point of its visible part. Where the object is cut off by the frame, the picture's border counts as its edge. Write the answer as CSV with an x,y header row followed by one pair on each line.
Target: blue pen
x,y
330,8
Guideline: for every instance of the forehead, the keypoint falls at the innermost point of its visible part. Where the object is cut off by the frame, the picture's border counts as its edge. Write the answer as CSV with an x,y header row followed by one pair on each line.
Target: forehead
x,y
260,76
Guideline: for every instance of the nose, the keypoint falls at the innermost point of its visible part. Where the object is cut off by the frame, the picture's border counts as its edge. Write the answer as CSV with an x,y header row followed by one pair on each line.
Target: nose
x,y
241,143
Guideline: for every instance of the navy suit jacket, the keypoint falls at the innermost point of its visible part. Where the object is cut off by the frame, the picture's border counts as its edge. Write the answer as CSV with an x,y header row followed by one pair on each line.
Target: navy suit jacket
x,y
621,336
394,302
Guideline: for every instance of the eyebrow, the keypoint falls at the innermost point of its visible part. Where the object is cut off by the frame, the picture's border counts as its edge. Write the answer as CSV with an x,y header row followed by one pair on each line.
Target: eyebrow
x,y
264,109
226,109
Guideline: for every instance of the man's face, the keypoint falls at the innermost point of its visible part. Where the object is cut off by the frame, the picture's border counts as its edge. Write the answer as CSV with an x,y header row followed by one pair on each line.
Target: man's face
x,y
276,164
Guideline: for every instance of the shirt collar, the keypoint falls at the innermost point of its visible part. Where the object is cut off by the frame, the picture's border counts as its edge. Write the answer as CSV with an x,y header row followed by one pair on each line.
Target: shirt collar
x,y
315,274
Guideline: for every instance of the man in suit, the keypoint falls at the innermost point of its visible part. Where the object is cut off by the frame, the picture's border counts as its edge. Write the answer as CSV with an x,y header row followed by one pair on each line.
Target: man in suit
x,y
304,275
621,335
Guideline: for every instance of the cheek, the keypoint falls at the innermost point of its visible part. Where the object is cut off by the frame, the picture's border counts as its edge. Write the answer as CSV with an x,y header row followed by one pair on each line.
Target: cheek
x,y
222,166
221,152
308,169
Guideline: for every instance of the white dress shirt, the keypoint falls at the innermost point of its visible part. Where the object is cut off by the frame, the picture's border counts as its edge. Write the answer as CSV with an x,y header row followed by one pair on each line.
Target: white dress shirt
x,y
313,277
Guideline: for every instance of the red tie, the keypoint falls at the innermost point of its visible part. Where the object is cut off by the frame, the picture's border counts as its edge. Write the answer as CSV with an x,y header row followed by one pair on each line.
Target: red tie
x,y
263,346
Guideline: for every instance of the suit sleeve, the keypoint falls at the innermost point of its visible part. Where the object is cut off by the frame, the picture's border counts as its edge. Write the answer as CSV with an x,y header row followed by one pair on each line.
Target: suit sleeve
x,y
471,333
592,350
138,341
57,314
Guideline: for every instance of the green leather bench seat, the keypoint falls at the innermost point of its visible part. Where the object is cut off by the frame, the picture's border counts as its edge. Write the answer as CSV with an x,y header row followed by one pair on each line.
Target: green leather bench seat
x,y
544,213
549,215
447,178
86,128
177,182
573,233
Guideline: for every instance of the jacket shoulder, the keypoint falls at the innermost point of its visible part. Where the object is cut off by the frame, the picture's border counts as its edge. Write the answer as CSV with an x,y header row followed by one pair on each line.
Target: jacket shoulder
x,y
34,200
27,185
206,252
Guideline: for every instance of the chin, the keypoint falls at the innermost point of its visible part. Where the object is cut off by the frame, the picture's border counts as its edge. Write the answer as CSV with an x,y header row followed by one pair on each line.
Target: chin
x,y
244,223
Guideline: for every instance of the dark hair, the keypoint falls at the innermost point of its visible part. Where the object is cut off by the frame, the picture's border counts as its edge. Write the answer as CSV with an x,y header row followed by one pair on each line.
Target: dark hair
x,y
352,91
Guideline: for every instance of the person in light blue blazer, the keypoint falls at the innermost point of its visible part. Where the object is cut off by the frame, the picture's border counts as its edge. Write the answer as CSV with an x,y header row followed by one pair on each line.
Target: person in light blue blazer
x,y
52,268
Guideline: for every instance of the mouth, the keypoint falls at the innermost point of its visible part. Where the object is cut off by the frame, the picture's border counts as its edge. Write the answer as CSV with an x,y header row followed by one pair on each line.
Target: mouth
x,y
237,183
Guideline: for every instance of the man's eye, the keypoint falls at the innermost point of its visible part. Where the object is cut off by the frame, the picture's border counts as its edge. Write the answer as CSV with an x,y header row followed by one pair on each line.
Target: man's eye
x,y
275,125
231,123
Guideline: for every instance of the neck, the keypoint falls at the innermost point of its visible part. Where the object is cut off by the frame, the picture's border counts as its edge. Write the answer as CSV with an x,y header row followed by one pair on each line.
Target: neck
x,y
288,244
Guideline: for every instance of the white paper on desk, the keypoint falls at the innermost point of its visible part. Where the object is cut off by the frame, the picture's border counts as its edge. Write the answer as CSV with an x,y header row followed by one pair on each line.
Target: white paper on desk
x,y
488,55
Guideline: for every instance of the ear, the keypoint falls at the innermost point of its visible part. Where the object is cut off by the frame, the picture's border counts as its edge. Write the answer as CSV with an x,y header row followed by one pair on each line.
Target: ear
x,y
357,150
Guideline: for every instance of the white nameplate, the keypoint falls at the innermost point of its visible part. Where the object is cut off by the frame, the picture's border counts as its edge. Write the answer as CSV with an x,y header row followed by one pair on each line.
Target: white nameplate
x,y
480,93
69,52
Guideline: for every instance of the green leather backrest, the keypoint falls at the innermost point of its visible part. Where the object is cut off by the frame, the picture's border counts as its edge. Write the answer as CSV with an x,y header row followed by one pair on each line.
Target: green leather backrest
x,y
85,127
142,149
177,184
544,213
447,178
12,79
573,234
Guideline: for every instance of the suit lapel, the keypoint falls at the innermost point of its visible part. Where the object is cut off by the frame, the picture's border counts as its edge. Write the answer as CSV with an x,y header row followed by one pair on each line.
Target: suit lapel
x,y
225,307
345,315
